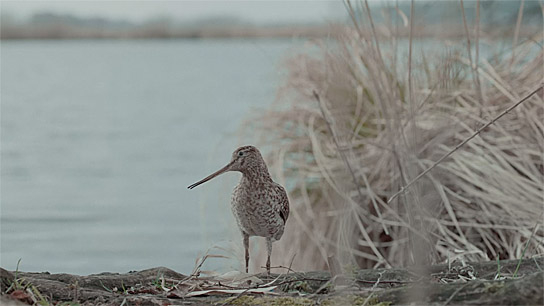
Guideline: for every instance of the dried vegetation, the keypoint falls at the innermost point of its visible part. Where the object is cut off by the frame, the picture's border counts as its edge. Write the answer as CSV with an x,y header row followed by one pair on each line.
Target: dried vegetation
x,y
360,117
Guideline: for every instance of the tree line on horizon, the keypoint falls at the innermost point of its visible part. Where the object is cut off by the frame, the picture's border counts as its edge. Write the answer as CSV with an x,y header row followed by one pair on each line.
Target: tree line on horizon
x,y
51,25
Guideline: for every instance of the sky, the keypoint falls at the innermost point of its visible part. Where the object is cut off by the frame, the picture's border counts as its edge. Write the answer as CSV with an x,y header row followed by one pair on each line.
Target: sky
x,y
253,11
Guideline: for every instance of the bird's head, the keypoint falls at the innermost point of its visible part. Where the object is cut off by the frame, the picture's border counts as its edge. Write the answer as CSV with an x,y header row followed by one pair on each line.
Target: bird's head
x,y
243,159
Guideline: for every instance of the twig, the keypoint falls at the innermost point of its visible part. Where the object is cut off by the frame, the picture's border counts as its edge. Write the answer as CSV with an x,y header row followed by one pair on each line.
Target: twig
x,y
334,266
498,275
251,287
472,64
410,91
537,265
516,33
377,42
229,301
273,282
196,270
383,282
403,189
477,55
292,260
466,32
106,288
526,246
378,280
455,293
282,267
322,287
351,12
368,298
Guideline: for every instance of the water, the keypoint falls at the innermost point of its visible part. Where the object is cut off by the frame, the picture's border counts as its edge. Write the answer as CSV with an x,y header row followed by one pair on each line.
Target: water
x,y
99,140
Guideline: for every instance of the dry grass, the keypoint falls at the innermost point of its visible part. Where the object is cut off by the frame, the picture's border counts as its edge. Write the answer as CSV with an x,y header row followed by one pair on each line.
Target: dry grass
x,y
358,119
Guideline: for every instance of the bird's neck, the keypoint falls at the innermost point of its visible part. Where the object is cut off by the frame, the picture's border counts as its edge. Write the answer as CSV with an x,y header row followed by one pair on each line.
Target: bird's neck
x,y
257,174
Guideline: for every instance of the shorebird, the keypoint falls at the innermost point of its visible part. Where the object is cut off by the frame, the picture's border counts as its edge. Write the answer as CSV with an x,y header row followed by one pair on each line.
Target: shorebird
x,y
259,205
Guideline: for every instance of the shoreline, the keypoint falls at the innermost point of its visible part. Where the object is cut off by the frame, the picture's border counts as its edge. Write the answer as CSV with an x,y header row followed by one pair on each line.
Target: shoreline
x,y
60,32
493,282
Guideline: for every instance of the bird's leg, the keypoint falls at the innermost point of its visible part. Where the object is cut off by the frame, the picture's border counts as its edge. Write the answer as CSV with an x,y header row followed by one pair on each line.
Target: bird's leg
x,y
269,249
246,246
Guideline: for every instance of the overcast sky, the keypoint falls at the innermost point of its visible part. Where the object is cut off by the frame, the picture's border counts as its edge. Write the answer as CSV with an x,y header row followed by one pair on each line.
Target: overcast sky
x,y
252,11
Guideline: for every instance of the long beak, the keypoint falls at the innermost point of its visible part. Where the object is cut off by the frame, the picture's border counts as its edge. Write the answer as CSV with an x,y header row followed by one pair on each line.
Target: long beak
x,y
211,176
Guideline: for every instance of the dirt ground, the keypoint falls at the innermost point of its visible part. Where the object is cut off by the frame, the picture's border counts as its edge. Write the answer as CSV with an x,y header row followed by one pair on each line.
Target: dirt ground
x,y
486,283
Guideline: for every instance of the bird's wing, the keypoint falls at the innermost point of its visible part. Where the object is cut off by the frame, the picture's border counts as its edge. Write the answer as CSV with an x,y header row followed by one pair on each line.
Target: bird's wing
x,y
283,203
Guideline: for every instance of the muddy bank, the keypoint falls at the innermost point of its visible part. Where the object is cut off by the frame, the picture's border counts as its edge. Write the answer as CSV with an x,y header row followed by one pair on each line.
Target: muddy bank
x,y
484,283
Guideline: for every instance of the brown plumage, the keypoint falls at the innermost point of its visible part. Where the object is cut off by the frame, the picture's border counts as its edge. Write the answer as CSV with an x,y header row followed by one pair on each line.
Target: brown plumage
x,y
259,205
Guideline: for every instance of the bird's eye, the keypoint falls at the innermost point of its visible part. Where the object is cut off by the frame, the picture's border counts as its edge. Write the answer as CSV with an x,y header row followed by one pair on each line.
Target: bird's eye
x,y
240,153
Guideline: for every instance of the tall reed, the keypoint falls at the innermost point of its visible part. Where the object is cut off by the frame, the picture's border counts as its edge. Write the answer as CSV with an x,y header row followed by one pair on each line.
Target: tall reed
x,y
360,116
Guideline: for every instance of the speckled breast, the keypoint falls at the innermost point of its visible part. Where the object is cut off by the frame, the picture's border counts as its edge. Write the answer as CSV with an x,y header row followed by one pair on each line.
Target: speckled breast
x,y
256,212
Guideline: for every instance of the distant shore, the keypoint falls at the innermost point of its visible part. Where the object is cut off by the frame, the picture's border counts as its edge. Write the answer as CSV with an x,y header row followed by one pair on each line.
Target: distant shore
x,y
60,31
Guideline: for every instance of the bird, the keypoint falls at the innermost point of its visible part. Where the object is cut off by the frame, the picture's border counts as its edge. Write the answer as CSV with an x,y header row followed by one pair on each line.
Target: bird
x,y
260,205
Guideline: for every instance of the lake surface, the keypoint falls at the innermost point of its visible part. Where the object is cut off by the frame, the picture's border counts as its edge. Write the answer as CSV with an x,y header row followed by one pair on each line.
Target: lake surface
x,y
99,140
